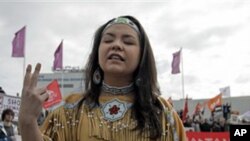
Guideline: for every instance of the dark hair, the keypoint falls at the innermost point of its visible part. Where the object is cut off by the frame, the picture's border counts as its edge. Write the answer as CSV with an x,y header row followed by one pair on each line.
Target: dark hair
x,y
7,112
147,106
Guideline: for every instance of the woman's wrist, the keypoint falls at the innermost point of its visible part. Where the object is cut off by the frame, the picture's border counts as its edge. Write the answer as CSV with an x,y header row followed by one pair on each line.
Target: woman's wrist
x,y
27,122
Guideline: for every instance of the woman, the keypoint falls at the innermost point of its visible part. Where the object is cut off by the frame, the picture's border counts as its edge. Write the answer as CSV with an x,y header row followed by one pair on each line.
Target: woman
x,y
121,101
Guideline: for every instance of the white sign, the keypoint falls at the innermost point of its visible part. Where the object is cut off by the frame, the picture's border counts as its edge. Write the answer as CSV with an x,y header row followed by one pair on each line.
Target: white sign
x,y
10,102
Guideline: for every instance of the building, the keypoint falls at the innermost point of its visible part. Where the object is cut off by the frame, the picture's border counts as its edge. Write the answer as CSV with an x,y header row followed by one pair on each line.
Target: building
x,y
70,80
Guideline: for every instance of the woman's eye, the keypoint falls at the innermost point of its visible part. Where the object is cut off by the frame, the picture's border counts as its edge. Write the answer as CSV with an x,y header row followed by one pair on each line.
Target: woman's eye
x,y
107,41
129,43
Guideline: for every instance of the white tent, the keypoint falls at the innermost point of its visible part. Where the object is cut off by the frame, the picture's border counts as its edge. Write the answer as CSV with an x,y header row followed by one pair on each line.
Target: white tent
x,y
245,117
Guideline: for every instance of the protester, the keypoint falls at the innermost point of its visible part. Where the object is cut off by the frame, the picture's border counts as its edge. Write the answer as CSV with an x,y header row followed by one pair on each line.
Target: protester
x,y
7,129
204,126
122,98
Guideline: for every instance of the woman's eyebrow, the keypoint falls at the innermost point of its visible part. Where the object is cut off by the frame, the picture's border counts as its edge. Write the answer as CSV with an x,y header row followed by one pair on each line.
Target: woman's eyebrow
x,y
129,36
109,34
124,35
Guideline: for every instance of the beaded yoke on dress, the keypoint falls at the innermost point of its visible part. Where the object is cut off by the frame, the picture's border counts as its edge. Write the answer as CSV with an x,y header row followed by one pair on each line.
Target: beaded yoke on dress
x,y
112,120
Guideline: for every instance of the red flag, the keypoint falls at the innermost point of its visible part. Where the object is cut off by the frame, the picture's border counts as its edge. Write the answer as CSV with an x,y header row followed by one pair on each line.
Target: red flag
x,y
54,94
176,62
58,61
199,108
185,110
18,43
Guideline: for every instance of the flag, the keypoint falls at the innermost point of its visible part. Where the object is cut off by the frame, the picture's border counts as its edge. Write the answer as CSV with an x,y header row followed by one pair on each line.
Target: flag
x,y
203,107
176,62
215,101
185,110
54,94
58,61
199,108
217,112
18,43
225,91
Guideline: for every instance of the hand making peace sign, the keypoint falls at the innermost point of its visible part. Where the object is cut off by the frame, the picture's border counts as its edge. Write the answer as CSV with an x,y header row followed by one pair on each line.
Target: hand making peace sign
x,y
32,97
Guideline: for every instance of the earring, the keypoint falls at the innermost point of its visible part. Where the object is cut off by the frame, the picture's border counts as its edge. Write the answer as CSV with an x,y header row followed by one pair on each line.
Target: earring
x,y
97,77
138,82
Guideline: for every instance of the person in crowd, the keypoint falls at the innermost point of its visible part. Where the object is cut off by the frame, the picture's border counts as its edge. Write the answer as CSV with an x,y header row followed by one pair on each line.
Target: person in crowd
x,y
121,101
188,122
7,129
226,111
196,124
204,126
222,124
216,126
40,118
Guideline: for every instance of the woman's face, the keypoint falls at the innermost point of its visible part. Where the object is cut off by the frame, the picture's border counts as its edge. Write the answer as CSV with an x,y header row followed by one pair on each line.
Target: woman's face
x,y
119,50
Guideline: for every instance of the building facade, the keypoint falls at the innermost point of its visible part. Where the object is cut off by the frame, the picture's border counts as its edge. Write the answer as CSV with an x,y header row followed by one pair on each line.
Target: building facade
x,y
69,81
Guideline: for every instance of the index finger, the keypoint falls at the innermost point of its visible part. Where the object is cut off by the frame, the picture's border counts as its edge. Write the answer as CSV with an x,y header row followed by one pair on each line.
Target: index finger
x,y
35,75
26,81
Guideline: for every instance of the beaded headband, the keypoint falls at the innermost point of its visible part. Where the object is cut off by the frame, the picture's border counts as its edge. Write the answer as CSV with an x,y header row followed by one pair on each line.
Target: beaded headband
x,y
121,20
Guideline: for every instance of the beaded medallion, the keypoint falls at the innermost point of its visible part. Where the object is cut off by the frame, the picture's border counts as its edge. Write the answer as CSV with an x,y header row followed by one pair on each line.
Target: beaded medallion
x,y
114,109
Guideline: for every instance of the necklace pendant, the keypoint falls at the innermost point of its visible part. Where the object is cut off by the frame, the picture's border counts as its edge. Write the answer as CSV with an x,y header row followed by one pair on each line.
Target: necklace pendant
x,y
114,110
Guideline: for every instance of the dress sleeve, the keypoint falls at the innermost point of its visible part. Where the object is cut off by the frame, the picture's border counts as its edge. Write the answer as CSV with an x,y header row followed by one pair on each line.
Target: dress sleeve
x,y
174,122
52,126
60,123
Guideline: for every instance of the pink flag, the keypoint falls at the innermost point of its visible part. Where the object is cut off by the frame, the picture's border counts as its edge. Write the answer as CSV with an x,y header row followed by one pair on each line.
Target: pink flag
x,y
18,43
176,62
58,62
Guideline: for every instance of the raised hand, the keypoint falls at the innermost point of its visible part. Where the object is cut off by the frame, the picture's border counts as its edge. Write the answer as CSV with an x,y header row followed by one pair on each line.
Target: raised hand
x,y
32,97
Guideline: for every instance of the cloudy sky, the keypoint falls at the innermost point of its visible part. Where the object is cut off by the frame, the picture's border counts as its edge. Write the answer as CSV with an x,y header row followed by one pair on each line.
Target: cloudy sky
x,y
214,35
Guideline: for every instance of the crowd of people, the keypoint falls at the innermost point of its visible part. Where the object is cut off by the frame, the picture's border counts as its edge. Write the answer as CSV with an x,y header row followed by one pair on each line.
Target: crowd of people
x,y
218,121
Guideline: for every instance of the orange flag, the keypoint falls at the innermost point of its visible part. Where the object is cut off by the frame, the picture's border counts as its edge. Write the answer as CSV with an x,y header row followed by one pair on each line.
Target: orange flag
x,y
215,101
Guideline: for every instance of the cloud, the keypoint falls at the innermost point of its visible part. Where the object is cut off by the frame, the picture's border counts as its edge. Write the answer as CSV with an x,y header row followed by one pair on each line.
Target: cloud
x,y
214,36
243,78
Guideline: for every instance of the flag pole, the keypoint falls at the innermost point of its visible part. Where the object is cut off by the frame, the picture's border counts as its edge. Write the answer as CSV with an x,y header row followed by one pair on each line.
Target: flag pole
x,y
62,84
24,57
62,71
182,75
